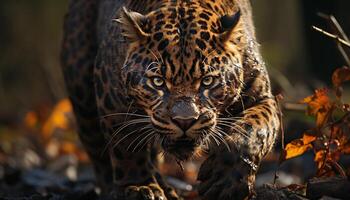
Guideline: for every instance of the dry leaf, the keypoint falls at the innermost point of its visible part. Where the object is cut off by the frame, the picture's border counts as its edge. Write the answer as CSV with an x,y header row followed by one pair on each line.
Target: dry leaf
x,y
340,76
58,118
295,149
340,132
31,119
307,138
320,158
319,105
299,146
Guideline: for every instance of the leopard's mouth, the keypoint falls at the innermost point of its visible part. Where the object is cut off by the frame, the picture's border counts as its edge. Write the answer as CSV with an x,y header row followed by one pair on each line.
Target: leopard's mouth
x,y
182,148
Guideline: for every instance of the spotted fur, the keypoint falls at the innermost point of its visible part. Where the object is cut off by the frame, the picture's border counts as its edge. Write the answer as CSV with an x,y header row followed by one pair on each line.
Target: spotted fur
x,y
182,75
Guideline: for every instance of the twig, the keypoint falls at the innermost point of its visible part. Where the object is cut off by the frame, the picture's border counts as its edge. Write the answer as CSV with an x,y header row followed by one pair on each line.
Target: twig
x,y
332,36
278,99
340,170
294,107
335,26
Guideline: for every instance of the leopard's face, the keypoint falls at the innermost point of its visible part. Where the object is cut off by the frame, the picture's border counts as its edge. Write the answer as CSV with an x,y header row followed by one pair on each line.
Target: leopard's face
x,y
182,72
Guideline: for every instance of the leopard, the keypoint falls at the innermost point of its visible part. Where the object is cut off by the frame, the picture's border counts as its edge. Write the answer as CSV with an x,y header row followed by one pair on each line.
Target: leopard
x,y
183,78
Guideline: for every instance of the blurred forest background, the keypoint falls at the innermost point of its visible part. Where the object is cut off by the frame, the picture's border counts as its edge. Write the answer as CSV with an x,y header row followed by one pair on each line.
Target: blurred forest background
x,y
31,33
298,58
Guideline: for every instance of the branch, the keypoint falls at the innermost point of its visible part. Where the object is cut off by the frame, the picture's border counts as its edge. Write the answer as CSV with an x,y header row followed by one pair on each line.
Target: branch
x,y
335,37
338,30
294,107
334,25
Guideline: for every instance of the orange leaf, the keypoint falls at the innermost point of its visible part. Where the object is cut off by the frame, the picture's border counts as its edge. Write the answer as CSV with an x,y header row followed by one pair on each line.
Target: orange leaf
x,y
298,147
68,148
293,150
58,118
341,75
319,158
307,139
31,119
346,149
340,133
319,105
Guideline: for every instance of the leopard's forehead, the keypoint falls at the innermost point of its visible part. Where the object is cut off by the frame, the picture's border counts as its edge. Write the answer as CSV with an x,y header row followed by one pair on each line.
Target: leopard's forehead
x,y
184,21
185,41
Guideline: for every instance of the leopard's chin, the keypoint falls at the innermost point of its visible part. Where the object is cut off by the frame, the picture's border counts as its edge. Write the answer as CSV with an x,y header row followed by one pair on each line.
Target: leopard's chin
x,y
182,148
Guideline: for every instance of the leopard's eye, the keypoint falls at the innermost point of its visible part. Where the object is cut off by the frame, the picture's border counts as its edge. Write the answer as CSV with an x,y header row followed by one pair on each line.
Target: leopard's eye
x,y
157,81
207,81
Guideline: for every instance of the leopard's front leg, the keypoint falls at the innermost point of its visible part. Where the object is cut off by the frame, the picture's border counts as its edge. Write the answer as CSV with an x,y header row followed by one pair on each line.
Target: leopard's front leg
x,y
230,173
136,178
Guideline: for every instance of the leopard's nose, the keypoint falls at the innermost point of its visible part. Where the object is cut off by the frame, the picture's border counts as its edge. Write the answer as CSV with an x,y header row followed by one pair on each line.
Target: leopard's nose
x,y
184,123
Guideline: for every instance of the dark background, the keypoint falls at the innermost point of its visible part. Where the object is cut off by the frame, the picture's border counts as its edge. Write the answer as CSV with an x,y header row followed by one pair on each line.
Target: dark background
x,y
298,58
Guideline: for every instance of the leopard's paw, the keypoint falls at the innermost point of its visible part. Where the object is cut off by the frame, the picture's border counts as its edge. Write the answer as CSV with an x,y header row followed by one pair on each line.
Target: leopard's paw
x,y
147,192
224,187
224,179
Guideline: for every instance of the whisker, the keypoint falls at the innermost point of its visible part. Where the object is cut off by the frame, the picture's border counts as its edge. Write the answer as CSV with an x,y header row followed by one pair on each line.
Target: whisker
x,y
123,138
209,54
235,128
126,116
162,140
227,124
217,137
156,139
229,118
142,134
239,127
214,138
131,121
114,135
149,65
118,114
159,139
208,140
147,142
243,107
228,121
123,127
161,58
154,55
150,134
152,69
222,132
126,124
221,138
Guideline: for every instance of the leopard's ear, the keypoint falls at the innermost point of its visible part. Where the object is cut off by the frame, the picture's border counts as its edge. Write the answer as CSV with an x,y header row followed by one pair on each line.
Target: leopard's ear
x,y
228,23
132,24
